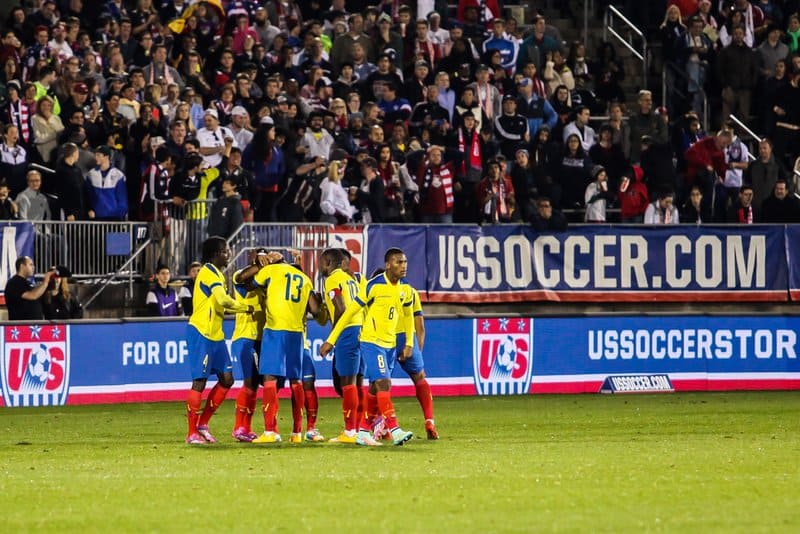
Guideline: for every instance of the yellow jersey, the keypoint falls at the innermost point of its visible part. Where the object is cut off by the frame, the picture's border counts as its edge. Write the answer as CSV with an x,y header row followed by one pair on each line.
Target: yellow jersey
x,y
209,302
341,283
287,292
416,309
248,326
387,306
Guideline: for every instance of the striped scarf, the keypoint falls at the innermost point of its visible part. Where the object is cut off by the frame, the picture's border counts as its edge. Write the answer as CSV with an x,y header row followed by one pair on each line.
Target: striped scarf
x,y
20,115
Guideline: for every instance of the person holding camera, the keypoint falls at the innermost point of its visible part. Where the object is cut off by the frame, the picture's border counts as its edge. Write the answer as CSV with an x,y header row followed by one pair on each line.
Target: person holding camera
x,y
22,297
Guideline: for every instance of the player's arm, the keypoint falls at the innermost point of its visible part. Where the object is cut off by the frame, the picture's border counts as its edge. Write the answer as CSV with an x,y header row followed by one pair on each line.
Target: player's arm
x,y
317,308
351,311
408,330
227,302
338,305
419,326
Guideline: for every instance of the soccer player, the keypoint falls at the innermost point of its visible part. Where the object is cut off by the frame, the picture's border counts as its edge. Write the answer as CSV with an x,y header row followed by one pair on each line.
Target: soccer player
x,y
246,342
206,340
341,289
414,366
388,302
289,297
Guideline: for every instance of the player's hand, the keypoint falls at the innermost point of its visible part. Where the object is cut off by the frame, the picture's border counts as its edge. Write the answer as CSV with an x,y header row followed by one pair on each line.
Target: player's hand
x,y
250,309
325,349
406,354
274,257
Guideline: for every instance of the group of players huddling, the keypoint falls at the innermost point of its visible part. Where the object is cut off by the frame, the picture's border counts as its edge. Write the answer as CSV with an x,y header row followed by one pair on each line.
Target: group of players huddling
x,y
377,323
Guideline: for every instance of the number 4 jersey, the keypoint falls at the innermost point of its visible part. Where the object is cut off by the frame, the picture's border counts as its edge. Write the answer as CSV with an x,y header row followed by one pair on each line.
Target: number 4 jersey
x,y
287,290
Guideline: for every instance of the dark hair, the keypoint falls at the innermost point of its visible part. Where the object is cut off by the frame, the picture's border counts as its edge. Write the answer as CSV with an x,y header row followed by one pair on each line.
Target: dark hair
x,y
377,272
161,267
334,254
212,246
392,252
70,149
345,253
20,261
262,145
162,154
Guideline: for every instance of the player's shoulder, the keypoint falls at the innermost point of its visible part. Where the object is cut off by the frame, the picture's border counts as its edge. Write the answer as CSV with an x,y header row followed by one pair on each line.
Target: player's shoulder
x,y
376,281
209,272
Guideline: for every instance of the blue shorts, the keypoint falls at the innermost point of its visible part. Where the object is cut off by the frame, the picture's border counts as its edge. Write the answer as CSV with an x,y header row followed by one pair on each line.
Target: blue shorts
x,y
378,360
245,351
281,354
309,373
206,356
415,364
348,360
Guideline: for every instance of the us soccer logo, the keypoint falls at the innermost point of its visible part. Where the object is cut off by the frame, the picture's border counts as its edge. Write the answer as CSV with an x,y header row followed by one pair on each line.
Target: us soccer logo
x,y
35,365
502,359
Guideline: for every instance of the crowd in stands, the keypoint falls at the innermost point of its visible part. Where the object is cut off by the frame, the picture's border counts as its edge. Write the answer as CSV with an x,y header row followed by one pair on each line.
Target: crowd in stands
x,y
349,112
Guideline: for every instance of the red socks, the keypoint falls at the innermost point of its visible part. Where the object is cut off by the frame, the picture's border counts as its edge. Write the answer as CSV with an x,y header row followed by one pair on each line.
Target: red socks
x,y
271,406
312,406
362,399
298,401
387,409
214,400
193,409
425,398
251,409
243,410
350,406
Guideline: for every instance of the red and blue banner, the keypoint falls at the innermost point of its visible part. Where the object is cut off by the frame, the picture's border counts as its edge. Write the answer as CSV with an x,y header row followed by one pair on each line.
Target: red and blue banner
x,y
508,263
138,361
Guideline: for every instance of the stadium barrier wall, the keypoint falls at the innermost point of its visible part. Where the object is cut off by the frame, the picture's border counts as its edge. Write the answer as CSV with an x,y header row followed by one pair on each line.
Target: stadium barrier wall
x,y
135,361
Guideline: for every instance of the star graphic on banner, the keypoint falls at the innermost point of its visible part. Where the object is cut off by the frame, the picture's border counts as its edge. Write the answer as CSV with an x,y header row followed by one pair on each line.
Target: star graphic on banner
x,y
15,333
504,324
521,325
485,325
56,332
36,331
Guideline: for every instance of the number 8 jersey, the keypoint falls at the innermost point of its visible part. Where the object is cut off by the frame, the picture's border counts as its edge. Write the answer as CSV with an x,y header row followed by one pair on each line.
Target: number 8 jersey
x,y
287,290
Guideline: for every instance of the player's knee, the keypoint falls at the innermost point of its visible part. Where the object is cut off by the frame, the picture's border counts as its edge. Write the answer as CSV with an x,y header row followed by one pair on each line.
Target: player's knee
x,y
383,384
308,385
199,384
418,377
226,380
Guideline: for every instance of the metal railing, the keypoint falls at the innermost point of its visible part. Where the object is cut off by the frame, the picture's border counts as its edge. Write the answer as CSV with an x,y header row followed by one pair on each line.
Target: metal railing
x,y
309,239
667,89
179,232
613,14
749,132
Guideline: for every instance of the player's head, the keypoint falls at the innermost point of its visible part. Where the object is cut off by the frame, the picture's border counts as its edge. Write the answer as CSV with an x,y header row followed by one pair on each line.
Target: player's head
x,y
216,251
330,260
395,263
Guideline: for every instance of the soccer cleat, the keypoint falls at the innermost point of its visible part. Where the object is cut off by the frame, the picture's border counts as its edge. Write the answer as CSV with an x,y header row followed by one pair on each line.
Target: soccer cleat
x,y
241,434
206,433
364,438
379,430
296,437
195,439
268,437
314,435
400,436
344,437
430,428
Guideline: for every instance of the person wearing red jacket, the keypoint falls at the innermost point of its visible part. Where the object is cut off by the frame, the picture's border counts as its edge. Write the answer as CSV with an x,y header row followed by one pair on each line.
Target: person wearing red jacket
x,y
705,163
435,182
633,197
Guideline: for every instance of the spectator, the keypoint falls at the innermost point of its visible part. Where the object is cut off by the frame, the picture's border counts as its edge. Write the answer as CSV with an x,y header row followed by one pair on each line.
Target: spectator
x,y
496,196
597,196
547,219
106,190
573,172
633,197
780,207
8,208
609,155
70,185
697,53
523,178
317,142
46,128
162,300
535,108
343,44
499,40
386,39
32,203
694,211
334,202
486,94
19,112
742,211
227,214
737,67
435,182
447,97
13,159
58,303
240,126
705,162
511,128
771,51
158,70
663,210
763,173
212,138
392,108
646,122
536,46
737,158
23,299
187,289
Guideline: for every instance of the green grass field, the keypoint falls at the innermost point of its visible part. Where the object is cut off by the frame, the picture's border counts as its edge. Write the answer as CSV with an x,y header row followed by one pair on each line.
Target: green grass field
x,y
684,462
